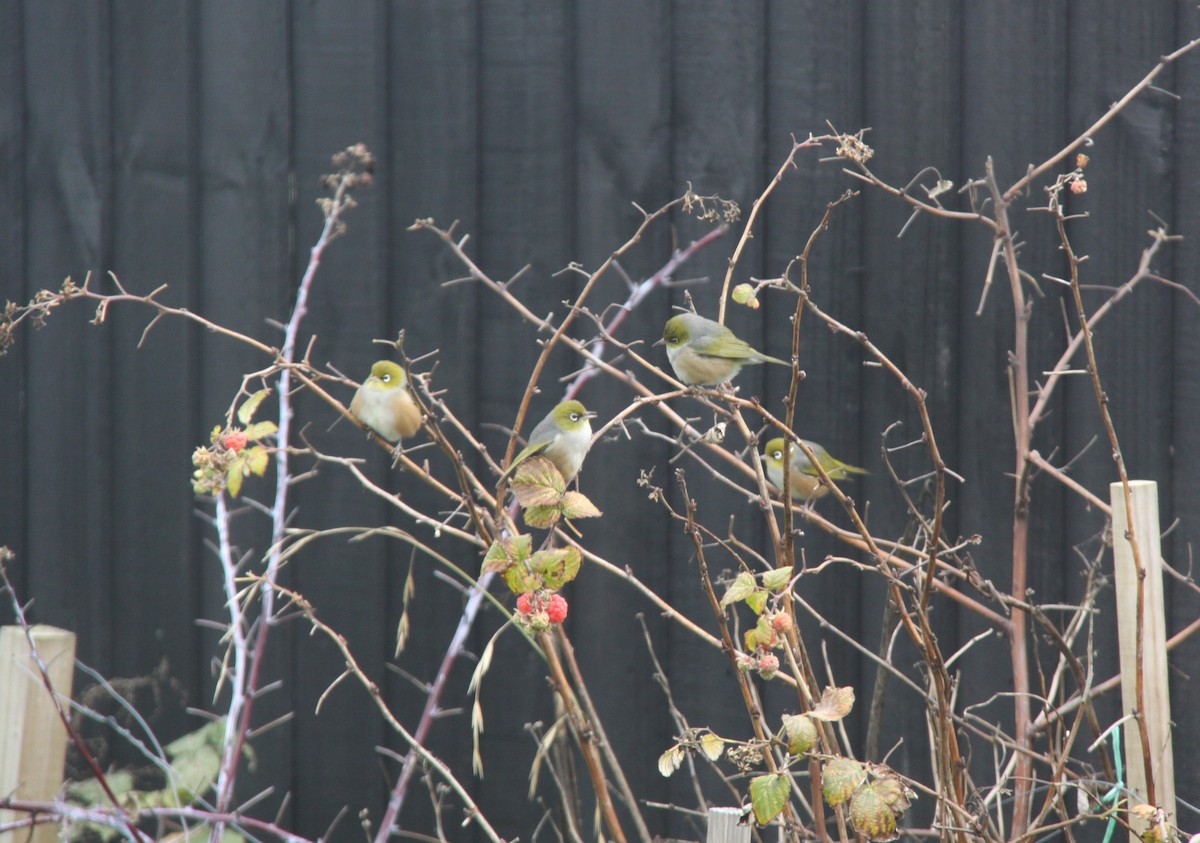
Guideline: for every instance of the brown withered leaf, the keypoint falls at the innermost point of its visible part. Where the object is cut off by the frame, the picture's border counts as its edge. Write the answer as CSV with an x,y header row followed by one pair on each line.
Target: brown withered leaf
x,y
835,703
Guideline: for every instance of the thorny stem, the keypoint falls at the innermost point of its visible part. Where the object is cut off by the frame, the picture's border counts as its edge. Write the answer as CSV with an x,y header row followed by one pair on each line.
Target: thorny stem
x,y
1073,261
1108,115
472,810
753,710
1019,394
747,231
241,705
585,737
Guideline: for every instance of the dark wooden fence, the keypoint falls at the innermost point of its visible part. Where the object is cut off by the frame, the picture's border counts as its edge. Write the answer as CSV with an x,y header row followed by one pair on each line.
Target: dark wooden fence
x,y
181,143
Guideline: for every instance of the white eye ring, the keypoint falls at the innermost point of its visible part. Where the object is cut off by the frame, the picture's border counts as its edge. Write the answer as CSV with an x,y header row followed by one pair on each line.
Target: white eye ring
x,y
777,454
574,416
386,378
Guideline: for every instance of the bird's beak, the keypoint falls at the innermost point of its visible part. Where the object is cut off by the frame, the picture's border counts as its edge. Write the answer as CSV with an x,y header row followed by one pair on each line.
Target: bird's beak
x,y
661,341
589,415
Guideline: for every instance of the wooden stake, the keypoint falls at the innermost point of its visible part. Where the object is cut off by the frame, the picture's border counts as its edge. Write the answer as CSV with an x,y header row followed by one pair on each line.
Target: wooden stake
x,y
33,742
1143,519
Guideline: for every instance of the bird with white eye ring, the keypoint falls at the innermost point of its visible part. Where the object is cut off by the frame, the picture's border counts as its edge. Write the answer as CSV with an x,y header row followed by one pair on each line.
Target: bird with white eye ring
x,y
806,482
385,403
563,437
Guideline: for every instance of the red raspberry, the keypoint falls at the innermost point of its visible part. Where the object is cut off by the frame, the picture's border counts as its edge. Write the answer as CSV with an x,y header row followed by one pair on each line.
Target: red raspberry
x,y
781,622
557,610
235,441
523,604
768,665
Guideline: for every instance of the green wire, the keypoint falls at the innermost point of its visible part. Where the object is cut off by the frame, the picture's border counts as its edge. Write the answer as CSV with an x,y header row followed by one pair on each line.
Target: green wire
x,y
1115,791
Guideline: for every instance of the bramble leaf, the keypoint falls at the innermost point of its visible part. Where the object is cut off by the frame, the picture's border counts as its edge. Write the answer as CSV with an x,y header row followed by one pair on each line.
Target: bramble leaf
x,y
557,566
835,703
577,505
250,406
768,795
537,482
741,588
777,579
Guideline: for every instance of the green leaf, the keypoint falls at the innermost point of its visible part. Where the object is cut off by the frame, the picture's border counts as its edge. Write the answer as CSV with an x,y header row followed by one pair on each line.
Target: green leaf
x,y
557,566
777,579
757,600
261,430
250,406
801,733
745,294
762,637
506,552
768,795
537,482
520,580
542,517
739,589
576,505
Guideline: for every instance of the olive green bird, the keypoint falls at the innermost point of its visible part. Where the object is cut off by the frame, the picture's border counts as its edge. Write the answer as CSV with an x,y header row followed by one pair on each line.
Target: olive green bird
x,y
706,353
385,403
806,482
563,437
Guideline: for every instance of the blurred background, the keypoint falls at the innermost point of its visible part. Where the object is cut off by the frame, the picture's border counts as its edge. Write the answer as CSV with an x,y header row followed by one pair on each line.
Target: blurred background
x,y
181,142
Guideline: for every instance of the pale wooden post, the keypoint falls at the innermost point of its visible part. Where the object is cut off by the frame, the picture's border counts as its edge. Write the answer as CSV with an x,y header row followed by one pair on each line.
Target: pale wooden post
x,y
33,742
725,826
1143,496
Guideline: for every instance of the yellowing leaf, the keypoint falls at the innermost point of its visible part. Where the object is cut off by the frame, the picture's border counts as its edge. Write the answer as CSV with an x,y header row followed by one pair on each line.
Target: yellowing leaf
x,y
542,517
557,566
872,816
801,733
576,505
712,746
250,406
234,475
757,600
835,703
537,482
777,579
739,589
840,777
260,430
257,459
895,794
768,795
670,761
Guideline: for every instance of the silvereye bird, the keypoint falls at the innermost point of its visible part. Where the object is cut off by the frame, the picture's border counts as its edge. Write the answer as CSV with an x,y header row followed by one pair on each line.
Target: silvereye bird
x,y
806,482
706,353
385,403
563,437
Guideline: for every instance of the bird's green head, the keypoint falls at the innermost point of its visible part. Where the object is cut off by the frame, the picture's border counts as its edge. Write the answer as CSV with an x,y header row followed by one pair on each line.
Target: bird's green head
x,y
676,332
773,454
570,416
386,374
